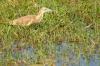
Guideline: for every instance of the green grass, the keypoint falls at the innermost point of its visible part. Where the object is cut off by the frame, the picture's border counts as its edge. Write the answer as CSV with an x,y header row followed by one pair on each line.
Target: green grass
x,y
68,23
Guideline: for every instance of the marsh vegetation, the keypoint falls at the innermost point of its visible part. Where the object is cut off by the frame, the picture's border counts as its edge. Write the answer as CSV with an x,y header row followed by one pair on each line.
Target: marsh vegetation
x,y
73,21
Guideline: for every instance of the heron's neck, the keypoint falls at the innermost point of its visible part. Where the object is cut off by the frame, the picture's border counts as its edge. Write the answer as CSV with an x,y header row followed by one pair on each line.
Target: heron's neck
x,y
40,15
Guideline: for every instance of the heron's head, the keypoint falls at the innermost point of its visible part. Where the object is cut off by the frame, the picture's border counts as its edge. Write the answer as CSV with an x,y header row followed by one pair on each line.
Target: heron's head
x,y
44,10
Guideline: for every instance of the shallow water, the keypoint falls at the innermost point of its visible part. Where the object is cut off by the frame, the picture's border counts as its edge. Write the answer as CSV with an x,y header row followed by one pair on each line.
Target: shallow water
x,y
64,55
73,60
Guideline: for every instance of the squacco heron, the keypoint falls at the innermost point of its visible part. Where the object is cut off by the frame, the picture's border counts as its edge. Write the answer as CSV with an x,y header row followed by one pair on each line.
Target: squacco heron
x,y
31,19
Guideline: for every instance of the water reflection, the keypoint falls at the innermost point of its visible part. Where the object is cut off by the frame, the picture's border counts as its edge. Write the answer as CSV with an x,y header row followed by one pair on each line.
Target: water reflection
x,y
64,55
24,53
